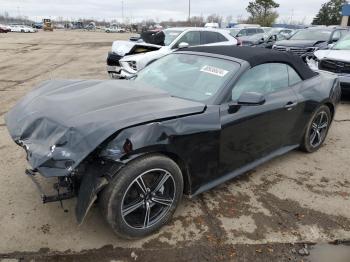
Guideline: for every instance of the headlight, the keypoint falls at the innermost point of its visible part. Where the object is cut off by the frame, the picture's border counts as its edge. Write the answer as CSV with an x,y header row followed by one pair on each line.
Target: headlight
x,y
132,65
312,49
129,66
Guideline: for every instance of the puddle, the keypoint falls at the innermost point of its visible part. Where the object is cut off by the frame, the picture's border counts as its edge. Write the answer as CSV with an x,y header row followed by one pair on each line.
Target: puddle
x,y
327,253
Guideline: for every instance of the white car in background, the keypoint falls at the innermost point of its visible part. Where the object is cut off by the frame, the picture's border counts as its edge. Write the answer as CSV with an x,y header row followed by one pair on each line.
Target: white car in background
x,y
22,29
128,57
114,29
336,60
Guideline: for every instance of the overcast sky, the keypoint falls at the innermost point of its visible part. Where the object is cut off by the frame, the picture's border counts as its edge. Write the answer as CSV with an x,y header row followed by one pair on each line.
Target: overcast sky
x,y
298,10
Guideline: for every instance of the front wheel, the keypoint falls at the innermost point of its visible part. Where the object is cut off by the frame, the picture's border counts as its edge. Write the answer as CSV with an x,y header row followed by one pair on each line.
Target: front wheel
x,y
143,196
317,130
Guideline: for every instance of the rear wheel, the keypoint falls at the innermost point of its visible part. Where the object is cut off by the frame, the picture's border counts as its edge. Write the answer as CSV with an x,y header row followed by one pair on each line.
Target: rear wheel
x,y
317,129
143,196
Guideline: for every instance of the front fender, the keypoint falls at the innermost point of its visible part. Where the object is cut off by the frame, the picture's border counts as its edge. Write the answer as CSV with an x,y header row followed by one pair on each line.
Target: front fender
x,y
192,141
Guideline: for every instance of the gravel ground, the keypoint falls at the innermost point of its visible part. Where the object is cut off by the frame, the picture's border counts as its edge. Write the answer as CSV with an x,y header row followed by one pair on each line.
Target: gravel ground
x,y
265,215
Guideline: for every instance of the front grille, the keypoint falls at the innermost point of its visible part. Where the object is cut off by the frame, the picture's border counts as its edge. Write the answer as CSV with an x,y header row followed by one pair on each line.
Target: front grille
x,y
295,50
113,59
334,66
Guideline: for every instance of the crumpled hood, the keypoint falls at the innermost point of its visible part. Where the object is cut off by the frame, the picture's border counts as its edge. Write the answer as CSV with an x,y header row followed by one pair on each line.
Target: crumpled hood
x,y
61,122
338,55
124,47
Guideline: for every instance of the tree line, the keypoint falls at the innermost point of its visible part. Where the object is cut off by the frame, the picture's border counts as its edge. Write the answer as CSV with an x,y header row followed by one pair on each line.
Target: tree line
x,y
262,12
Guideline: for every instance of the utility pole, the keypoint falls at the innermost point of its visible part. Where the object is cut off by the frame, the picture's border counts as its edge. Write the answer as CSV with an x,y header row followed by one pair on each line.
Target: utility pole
x,y
189,10
122,11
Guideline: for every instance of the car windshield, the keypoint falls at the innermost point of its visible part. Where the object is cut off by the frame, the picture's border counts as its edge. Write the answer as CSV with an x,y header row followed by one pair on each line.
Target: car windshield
x,y
312,34
343,44
170,36
188,76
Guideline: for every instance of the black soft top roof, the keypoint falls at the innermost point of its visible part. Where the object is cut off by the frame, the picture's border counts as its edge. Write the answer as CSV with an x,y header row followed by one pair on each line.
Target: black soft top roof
x,y
257,56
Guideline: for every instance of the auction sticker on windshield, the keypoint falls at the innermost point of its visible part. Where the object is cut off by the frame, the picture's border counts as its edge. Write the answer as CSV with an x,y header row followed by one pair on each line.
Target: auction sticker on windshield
x,y
214,70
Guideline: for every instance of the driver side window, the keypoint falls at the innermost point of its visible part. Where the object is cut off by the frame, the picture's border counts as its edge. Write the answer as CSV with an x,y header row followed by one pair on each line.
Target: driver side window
x,y
243,32
192,38
336,36
262,79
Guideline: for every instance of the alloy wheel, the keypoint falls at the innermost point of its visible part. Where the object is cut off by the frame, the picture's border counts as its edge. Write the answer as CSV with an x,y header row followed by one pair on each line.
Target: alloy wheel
x,y
148,198
319,129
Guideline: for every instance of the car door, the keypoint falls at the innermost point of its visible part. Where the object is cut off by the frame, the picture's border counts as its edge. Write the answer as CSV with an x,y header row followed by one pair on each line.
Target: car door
x,y
251,31
252,132
208,37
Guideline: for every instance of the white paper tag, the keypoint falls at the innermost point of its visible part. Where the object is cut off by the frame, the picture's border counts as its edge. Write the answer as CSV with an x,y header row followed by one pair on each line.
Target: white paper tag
x,y
214,70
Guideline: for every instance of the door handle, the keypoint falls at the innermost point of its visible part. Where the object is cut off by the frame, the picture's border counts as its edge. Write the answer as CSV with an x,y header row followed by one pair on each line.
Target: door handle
x,y
290,105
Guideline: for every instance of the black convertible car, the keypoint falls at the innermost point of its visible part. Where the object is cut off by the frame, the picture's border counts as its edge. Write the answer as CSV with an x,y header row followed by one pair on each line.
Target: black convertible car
x,y
187,123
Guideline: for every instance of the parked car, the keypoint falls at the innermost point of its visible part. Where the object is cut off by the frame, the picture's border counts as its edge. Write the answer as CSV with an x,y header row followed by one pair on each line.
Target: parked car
x,y
310,40
280,31
135,38
4,29
241,32
261,40
127,57
335,60
114,29
22,29
266,40
212,25
38,25
188,122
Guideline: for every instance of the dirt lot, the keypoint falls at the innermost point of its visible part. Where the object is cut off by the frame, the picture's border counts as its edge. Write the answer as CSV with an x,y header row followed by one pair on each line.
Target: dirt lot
x,y
262,216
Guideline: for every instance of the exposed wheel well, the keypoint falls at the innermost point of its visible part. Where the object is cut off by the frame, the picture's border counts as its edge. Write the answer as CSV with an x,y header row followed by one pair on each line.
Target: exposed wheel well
x,y
184,170
331,108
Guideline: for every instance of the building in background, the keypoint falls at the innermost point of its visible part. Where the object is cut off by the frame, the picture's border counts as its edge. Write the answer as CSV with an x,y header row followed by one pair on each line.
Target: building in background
x,y
345,15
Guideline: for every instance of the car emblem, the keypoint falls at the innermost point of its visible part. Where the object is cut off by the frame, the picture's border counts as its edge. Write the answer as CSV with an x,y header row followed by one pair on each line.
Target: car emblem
x,y
288,49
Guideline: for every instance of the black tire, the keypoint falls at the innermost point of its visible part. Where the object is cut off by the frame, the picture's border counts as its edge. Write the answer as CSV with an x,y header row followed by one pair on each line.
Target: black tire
x,y
310,143
125,186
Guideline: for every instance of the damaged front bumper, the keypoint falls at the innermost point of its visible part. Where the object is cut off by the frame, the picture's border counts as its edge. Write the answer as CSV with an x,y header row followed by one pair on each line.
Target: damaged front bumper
x,y
114,72
64,188
85,187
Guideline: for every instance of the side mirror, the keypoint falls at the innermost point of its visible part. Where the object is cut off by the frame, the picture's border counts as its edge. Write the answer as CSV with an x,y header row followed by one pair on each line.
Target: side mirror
x,y
251,99
330,46
183,45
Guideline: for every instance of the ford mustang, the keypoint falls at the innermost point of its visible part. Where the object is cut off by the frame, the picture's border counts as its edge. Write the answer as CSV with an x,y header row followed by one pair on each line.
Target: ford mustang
x,y
185,124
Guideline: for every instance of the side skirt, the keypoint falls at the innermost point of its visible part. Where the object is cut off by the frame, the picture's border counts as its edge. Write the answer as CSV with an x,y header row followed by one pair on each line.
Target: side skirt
x,y
243,169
